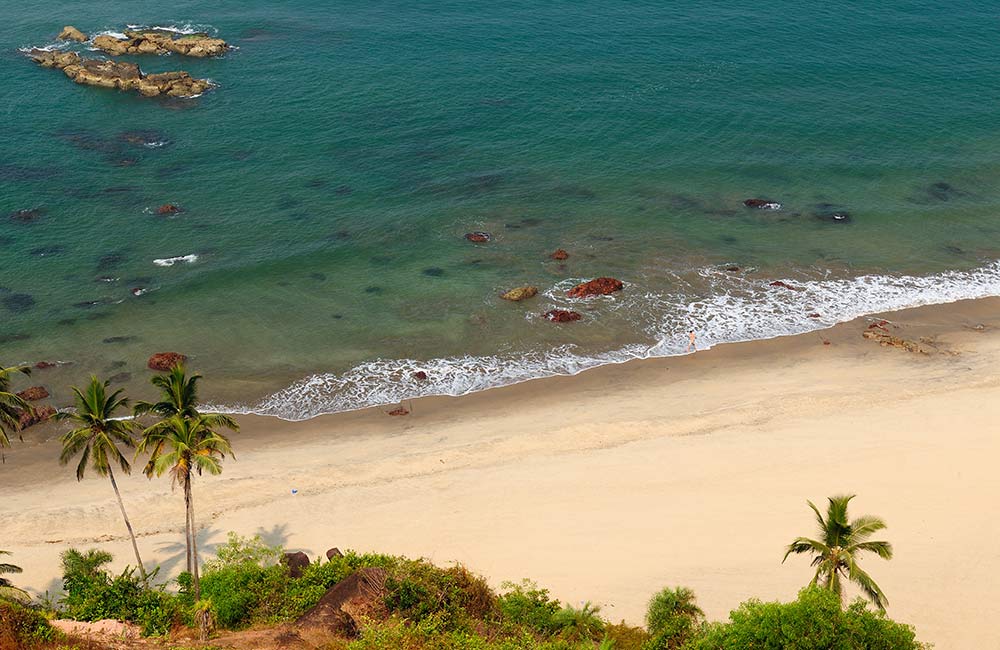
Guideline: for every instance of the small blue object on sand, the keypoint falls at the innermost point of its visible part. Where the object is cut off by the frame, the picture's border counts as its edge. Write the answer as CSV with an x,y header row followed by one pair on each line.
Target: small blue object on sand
x,y
294,491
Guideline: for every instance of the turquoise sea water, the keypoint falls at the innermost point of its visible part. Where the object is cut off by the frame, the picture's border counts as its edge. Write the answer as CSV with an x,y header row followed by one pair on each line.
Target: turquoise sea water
x,y
328,180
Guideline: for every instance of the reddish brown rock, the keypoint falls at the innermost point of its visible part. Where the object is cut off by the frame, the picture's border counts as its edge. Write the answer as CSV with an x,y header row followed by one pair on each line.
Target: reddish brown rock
x,y
398,411
560,255
784,285
596,287
733,269
478,237
561,316
814,315
421,375
42,365
762,204
164,361
33,394
333,552
35,415
295,562
168,208
345,607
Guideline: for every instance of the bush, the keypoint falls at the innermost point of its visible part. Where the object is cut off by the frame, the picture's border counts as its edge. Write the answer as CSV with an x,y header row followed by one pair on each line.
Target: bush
x,y
578,624
813,622
452,598
22,627
672,618
626,637
92,594
526,604
243,550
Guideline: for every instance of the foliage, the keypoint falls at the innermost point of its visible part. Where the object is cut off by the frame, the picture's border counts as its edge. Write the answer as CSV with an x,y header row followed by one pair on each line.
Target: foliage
x,y
93,594
527,604
450,598
10,405
7,589
841,541
22,627
578,624
625,637
672,617
239,550
813,622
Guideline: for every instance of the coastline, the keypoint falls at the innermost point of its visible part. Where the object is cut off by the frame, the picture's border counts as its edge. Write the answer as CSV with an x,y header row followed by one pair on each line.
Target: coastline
x,y
617,481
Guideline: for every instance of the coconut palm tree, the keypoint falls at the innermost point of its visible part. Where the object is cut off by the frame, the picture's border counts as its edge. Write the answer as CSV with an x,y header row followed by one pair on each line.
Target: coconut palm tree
x,y
8,590
11,406
182,446
178,395
98,438
835,554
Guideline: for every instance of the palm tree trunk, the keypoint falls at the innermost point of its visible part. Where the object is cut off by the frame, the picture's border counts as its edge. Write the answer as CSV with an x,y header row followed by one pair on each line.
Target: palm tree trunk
x,y
187,524
128,524
194,542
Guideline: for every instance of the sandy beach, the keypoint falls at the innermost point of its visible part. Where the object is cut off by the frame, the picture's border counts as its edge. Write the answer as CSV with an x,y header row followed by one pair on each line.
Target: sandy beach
x,y
614,483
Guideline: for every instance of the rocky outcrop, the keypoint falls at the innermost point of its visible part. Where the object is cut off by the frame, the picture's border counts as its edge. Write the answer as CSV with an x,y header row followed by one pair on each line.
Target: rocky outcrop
x,y
33,394
70,33
333,552
27,215
561,316
520,293
168,208
295,562
478,237
35,415
596,287
784,285
156,42
164,361
123,76
762,204
560,255
344,607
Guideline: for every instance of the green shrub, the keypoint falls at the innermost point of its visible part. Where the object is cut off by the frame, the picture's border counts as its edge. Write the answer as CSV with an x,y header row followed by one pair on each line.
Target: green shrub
x,y
626,637
672,618
243,550
815,621
527,604
246,593
22,627
579,624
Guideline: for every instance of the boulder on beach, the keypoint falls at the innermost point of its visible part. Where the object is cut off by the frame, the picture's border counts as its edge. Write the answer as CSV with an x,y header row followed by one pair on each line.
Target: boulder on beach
x,y
596,287
33,394
164,361
520,293
158,42
559,254
344,607
295,562
120,75
70,33
333,552
561,316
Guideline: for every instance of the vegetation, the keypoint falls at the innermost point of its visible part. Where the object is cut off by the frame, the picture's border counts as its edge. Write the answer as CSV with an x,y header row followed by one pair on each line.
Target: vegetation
x,y
7,590
183,442
96,440
835,554
11,406
672,618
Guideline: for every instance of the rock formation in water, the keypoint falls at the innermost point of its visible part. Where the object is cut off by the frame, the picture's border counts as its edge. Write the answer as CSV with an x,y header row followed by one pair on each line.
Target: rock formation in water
x,y
520,293
70,33
596,287
164,361
123,76
157,42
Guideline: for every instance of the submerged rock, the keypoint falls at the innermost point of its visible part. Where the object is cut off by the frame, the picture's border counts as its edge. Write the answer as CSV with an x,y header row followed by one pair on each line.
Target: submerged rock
x,y
559,254
18,302
596,287
164,361
27,215
478,237
784,285
33,394
520,293
420,375
168,208
762,204
561,316
156,42
70,33
120,75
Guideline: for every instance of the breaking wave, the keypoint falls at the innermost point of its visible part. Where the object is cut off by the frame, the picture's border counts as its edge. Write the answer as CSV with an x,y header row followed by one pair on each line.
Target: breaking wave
x,y
735,308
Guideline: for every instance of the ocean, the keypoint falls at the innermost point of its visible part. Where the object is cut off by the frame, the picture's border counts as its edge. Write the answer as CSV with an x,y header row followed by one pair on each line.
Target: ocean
x,y
328,180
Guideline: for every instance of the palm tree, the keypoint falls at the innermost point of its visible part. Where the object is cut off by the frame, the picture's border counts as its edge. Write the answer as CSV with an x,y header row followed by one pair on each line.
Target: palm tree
x,y
8,590
181,444
841,542
11,406
178,395
97,439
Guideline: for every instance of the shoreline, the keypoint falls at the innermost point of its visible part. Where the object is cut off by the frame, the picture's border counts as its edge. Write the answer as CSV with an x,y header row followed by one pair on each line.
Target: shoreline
x,y
612,482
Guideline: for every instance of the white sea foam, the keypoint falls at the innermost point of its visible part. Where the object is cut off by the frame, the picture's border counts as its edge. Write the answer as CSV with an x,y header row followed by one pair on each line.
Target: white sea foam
x,y
736,308
170,261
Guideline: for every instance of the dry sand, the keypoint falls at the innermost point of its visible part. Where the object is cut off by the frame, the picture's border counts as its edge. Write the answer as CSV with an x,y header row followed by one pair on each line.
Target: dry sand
x,y
612,484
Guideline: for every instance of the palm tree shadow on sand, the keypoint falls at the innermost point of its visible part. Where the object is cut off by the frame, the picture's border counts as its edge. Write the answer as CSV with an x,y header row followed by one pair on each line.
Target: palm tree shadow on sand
x,y
277,535
174,554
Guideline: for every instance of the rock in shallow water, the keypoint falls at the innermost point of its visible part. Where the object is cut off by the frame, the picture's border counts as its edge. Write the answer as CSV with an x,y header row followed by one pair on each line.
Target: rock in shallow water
x,y
164,361
120,75
762,204
70,33
596,287
561,316
33,394
478,237
560,255
156,42
520,293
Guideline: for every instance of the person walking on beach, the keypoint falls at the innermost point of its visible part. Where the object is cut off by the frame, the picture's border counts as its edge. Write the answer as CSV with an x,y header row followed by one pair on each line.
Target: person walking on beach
x,y
691,343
